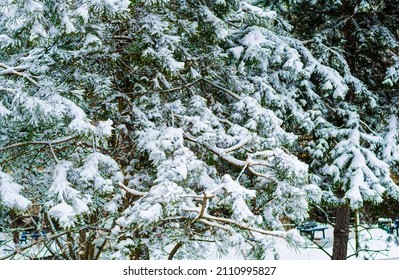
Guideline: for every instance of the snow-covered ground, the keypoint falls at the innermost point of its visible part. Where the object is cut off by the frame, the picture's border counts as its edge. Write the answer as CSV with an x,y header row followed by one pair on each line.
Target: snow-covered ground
x,y
7,248
379,245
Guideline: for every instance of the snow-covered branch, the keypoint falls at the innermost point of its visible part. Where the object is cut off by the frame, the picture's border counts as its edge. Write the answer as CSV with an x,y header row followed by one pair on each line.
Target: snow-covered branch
x,y
11,90
219,87
222,222
237,146
182,86
229,92
223,154
18,70
131,191
50,143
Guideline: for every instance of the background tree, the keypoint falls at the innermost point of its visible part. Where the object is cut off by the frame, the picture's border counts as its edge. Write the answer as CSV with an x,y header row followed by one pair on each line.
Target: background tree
x,y
359,40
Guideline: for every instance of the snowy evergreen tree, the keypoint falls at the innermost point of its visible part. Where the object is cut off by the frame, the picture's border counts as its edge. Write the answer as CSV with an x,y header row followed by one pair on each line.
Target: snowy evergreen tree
x,y
200,161
52,86
359,134
160,129
208,161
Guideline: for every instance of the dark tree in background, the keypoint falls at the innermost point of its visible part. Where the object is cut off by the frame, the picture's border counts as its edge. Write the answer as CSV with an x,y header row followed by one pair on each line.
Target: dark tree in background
x,y
361,38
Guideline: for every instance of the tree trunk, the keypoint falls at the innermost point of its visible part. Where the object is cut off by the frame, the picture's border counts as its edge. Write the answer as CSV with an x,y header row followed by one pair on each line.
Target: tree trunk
x,y
357,222
341,232
14,224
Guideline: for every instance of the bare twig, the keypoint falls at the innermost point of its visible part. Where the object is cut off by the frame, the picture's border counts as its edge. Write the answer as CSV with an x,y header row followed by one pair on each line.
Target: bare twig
x,y
305,42
181,87
229,92
58,243
242,171
321,247
369,251
21,249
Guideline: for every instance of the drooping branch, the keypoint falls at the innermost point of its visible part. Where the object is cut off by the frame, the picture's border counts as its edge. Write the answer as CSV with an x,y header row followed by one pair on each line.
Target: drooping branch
x,y
229,92
213,84
18,70
222,222
237,146
181,87
50,143
246,227
214,224
249,163
260,174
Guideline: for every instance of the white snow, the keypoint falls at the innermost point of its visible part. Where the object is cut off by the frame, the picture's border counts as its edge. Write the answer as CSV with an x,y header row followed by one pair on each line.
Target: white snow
x,y
64,213
152,214
353,194
104,128
237,196
3,110
379,243
83,12
10,192
391,149
91,40
60,186
69,27
237,51
81,126
375,238
33,6
245,6
254,38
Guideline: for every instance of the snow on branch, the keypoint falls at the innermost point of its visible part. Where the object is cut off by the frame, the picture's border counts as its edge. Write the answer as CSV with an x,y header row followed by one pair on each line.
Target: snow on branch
x,y
18,70
222,222
223,154
131,191
10,192
219,87
50,143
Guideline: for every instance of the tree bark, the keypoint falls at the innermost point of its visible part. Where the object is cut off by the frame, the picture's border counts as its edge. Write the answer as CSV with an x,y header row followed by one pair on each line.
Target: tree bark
x,y
14,224
341,232
357,222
